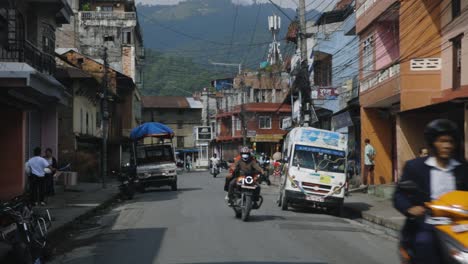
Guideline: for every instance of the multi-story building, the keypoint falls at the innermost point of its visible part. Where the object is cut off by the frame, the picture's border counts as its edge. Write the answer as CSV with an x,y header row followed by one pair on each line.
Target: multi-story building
x,y
29,93
412,67
110,24
181,114
124,104
252,108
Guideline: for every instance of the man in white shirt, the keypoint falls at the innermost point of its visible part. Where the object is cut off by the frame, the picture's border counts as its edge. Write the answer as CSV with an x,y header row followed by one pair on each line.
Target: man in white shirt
x,y
37,167
369,163
214,163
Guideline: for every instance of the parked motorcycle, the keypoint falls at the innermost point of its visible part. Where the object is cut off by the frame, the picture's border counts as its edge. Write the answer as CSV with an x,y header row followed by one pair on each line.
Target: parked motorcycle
x,y
224,165
449,217
244,196
266,176
128,184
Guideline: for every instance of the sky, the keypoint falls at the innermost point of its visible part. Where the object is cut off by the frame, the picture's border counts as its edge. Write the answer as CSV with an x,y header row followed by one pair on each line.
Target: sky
x,y
284,3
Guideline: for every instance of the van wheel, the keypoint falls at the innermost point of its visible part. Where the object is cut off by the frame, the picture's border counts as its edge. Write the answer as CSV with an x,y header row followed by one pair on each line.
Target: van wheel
x,y
174,186
284,201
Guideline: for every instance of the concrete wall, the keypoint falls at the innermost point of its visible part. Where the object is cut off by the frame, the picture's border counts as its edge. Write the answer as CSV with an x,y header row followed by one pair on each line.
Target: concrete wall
x,y
420,37
450,29
171,117
82,106
49,133
12,177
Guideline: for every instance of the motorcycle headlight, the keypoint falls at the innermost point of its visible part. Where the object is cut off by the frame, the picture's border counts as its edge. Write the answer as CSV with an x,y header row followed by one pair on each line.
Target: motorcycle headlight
x,y
457,253
249,180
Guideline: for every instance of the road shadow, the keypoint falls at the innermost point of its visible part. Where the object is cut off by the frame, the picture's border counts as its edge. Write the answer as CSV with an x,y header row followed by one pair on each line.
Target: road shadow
x,y
264,218
256,262
354,210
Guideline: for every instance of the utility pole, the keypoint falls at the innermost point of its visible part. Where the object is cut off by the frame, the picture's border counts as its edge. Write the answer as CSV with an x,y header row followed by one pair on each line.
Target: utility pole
x,y
242,115
207,107
304,90
104,120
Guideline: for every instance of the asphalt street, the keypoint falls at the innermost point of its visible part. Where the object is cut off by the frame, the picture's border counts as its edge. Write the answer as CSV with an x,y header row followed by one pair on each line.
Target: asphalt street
x,y
194,225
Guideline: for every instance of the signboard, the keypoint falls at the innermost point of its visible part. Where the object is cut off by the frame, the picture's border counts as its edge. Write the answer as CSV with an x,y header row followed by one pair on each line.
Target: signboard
x,y
203,133
286,123
324,138
268,138
296,110
324,93
251,133
341,120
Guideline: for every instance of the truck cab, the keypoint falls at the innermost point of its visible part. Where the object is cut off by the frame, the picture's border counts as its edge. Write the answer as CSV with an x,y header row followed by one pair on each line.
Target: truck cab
x,y
156,165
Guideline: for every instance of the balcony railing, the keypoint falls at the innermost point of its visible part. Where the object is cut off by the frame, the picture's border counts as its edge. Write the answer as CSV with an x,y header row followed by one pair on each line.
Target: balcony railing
x,y
25,51
104,15
382,76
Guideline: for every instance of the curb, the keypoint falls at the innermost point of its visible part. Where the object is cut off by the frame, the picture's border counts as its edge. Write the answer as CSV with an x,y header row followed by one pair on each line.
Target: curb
x,y
386,225
66,226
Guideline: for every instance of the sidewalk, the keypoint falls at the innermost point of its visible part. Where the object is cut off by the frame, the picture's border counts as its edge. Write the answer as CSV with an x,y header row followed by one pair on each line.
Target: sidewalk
x,y
375,210
77,202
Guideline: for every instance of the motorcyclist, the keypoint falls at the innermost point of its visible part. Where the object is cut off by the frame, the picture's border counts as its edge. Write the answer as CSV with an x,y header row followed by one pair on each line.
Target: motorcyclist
x,y
245,165
434,175
214,162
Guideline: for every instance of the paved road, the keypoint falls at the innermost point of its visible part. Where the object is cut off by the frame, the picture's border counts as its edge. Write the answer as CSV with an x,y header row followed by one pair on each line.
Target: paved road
x,y
194,225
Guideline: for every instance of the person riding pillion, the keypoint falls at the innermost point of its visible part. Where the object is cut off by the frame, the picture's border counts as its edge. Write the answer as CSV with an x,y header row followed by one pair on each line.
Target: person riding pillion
x,y
435,175
243,166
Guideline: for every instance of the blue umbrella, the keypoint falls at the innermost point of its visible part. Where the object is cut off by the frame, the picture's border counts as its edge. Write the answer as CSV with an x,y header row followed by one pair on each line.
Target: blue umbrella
x,y
152,129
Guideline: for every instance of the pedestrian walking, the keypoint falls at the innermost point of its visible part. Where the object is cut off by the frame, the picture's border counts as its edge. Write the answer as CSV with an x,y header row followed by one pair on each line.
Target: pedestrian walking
x,y
369,163
49,177
38,167
423,152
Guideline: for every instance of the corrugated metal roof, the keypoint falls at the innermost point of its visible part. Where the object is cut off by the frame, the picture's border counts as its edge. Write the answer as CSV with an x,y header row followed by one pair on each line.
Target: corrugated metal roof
x,y
194,103
171,102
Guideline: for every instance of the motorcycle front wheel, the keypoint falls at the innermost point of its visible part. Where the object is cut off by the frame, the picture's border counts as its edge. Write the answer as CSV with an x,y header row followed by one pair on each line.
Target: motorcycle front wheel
x,y
246,208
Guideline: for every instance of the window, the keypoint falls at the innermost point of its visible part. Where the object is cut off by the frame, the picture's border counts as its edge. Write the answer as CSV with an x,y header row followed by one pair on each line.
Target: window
x,y
265,122
180,111
180,142
368,56
81,121
455,8
238,123
108,38
87,123
127,37
107,8
180,124
48,39
457,60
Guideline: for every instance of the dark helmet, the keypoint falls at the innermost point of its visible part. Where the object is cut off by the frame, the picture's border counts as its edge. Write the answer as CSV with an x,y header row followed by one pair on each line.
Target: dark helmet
x,y
245,153
440,127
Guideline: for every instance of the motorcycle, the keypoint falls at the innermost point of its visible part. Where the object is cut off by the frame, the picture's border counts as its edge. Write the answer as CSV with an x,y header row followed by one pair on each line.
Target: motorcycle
x,y
266,176
244,196
128,185
214,170
448,215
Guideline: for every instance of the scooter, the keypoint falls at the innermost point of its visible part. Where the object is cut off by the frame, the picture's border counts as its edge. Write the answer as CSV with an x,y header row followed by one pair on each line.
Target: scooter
x,y
266,176
128,185
449,217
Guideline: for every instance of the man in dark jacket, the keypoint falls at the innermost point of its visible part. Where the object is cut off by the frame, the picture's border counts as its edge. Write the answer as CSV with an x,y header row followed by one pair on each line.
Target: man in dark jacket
x,y
434,175
243,166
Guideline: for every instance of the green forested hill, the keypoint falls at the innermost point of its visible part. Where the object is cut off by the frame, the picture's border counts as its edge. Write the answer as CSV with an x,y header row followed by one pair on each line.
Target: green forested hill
x,y
185,38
